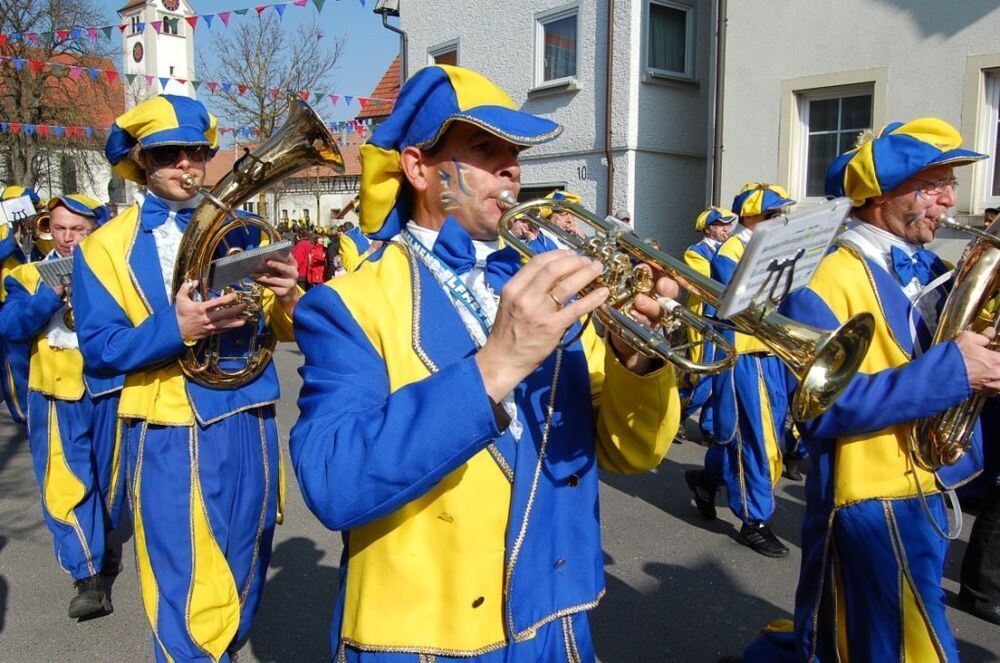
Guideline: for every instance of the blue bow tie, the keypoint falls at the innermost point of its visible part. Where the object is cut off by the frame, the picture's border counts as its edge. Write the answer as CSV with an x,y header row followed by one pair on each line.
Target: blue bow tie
x,y
155,213
455,249
908,267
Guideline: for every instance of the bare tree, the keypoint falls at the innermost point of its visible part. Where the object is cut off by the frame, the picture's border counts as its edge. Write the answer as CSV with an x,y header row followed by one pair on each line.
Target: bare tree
x,y
262,57
47,95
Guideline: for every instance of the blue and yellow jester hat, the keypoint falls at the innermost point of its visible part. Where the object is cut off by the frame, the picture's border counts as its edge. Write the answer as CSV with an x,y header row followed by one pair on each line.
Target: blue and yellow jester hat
x,y
15,191
559,195
428,103
878,164
757,197
82,205
714,215
163,120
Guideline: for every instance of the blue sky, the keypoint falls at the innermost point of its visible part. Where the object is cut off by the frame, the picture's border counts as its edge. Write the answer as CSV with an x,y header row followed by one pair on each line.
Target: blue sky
x,y
370,47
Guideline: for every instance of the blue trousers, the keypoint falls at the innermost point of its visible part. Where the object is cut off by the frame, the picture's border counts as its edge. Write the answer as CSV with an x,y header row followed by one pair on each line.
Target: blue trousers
x,y
14,379
750,463
700,396
204,501
75,456
566,639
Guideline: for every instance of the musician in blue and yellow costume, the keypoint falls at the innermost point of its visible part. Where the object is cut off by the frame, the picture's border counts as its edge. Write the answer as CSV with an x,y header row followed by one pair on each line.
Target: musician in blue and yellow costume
x,y
749,401
14,356
872,562
354,247
441,429
202,462
72,418
714,224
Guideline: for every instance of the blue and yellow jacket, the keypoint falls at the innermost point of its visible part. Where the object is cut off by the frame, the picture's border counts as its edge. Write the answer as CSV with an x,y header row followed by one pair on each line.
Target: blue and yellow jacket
x,y
127,326
699,258
14,355
459,539
55,372
353,245
858,446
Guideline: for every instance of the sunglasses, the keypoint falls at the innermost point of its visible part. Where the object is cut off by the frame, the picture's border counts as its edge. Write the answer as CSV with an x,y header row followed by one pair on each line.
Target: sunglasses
x,y
169,154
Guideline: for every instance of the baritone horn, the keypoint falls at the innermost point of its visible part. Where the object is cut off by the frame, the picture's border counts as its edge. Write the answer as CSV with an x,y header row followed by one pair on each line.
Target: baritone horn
x,y
971,305
823,361
303,140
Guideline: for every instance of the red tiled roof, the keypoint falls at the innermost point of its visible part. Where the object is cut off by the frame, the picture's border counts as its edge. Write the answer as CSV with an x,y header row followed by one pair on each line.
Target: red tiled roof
x,y
387,88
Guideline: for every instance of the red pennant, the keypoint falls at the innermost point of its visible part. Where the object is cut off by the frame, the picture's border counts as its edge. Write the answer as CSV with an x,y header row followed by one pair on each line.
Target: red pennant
x,y
363,101
261,9
192,21
62,34
15,127
111,74
121,27
212,85
242,88
3,40
182,81
305,95
36,66
43,130
275,92
225,18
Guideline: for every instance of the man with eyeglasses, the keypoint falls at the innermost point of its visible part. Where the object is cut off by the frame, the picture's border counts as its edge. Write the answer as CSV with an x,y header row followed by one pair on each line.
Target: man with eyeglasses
x,y
873,538
749,401
202,462
72,417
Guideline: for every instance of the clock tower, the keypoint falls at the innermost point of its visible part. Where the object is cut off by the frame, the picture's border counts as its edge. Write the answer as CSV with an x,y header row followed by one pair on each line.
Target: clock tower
x,y
160,56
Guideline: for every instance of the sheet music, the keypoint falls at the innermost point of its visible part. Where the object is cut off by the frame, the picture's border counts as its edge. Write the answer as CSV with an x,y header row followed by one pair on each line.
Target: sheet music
x,y
17,209
783,255
238,266
56,272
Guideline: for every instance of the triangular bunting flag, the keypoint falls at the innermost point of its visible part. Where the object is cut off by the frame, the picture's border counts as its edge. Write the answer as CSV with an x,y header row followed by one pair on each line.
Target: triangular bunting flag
x,y
29,129
363,101
107,31
78,33
300,3
130,78
74,72
261,9
43,130
304,94
150,79
4,127
111,75
163,83
225,17
157,25
348,100
242,12
36,66
121,28
15,127
362,3
182,81
208,19
275,92
319,4
196,85
59,131
18,63
57,68
3,40
334,98
32,37
192,21
93,73
228,87
212,85
280,9
63,35
242,88
92,32
89,131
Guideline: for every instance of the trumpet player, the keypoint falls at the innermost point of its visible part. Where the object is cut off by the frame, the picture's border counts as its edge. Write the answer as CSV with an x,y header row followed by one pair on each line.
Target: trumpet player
x,y
17,247
749,402
202,462
72,419
441,427
870,582
714,224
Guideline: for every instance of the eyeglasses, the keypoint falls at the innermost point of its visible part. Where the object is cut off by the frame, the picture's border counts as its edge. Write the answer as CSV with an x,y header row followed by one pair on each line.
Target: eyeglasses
x,y
169,154
937,187
770,214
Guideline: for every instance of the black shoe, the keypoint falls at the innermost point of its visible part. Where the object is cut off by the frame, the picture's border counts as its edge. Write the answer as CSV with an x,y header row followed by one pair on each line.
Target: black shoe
x,y
982,609
91,600
793,469
112,564
758,535
704,492
707,440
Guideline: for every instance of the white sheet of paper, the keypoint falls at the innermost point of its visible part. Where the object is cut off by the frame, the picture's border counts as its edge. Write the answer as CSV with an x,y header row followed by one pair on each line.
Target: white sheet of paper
x,y
806,234
17,209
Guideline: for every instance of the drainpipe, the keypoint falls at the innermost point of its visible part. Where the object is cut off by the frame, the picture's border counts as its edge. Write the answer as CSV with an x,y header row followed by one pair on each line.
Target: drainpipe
x,y
403,46
720,88
608,75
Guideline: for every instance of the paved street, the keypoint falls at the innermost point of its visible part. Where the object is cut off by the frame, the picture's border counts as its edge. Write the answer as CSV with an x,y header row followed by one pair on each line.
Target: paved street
x,y
678,589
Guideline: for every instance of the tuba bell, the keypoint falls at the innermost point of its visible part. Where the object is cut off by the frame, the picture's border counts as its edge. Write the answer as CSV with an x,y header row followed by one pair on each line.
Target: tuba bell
x,y
942,439
823,361
302,141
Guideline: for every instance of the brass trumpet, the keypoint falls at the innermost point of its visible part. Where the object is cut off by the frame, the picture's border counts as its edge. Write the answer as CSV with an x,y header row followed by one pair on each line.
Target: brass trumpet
x,y
823,361
943,438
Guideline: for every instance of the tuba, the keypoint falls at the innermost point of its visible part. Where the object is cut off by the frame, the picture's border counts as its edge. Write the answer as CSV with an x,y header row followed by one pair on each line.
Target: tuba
x,y
823,361
941,439
302,141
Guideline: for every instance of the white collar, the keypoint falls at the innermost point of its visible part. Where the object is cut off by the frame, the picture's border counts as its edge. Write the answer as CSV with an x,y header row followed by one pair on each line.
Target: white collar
x,y
882,240
173,205
711,243
428,237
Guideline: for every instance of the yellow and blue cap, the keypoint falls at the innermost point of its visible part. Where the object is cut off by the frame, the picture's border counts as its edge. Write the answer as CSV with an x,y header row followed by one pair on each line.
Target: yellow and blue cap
x,y
878,164
426,106
162,120
559,195
759,197
82,205
16,191
714,215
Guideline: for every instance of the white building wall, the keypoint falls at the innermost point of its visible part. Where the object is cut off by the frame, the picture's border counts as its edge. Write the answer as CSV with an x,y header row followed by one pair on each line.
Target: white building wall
x,y
659,128
923,57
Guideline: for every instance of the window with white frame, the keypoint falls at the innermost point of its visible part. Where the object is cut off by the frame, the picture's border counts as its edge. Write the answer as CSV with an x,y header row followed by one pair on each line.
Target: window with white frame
x,y
991,190
134,22
446,53
670,39
831,124
556,46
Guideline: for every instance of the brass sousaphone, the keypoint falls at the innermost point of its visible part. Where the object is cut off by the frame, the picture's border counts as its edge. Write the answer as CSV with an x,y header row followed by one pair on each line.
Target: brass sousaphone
x,y
823,361
302,141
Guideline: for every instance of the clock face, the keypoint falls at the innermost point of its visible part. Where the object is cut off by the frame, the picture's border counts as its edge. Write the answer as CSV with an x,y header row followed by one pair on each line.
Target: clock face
x,y
171,5
137,52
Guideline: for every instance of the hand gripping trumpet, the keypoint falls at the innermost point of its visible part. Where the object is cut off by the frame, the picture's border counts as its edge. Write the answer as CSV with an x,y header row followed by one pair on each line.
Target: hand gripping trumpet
x,y
823,361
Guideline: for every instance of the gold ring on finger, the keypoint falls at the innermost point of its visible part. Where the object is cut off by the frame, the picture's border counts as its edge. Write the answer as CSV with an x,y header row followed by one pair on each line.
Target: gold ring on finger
x,y
555,299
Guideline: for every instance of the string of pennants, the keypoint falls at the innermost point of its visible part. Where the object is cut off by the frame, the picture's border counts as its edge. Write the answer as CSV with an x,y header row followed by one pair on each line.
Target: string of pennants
x,y
95,32
111,75
60,131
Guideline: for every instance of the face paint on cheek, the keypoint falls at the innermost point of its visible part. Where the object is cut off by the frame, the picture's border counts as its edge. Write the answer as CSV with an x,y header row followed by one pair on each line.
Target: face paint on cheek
x,y
447,196
911,218
460,177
